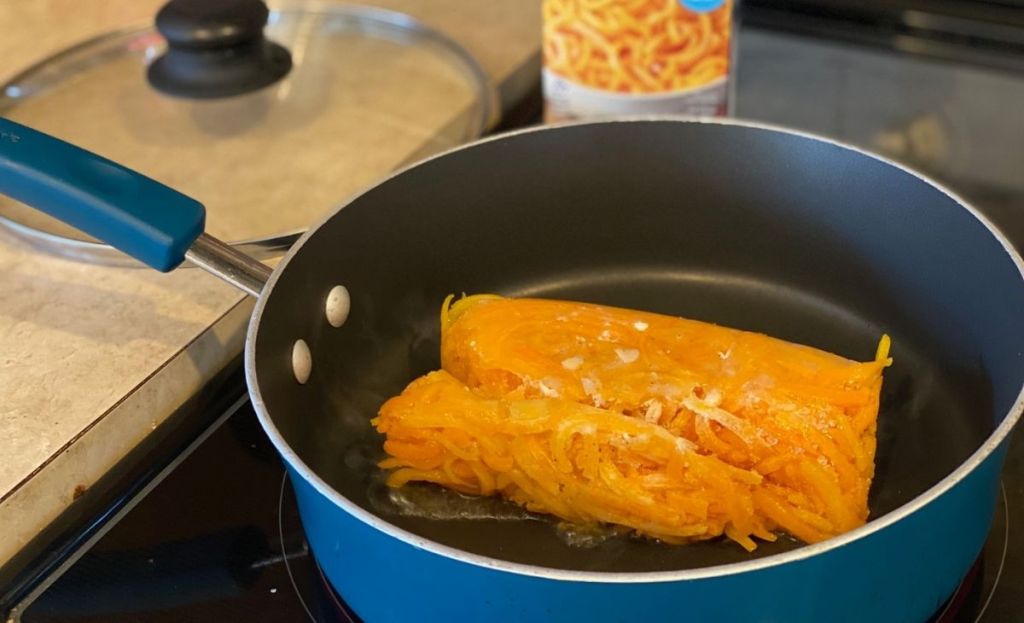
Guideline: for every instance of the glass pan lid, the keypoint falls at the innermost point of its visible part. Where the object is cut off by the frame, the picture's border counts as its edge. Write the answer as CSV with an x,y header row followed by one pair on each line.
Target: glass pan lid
x,y
370,91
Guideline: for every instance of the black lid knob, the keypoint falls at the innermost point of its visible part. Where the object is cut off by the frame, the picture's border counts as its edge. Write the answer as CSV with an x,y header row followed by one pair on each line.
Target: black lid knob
x,y
216,49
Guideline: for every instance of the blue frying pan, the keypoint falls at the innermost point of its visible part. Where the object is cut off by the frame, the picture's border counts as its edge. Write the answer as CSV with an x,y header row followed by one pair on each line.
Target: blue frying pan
x,y
754,227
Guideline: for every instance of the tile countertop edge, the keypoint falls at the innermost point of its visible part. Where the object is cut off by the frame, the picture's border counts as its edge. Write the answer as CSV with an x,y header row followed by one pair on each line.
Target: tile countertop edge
x,y
51,488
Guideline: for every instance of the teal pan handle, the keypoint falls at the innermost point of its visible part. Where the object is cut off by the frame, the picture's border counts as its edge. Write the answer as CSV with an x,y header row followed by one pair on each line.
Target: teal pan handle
x,y
125,209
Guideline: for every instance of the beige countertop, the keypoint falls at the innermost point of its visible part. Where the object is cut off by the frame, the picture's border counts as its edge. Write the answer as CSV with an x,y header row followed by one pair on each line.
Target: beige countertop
x,y
94,358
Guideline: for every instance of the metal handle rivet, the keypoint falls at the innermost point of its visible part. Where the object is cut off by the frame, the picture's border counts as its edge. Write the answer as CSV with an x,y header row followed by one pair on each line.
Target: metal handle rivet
x,y
338,305
302,361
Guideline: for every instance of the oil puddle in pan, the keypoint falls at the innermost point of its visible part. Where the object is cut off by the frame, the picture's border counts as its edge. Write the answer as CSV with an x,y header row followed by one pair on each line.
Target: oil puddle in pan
x,y
427,501
424,500
587,536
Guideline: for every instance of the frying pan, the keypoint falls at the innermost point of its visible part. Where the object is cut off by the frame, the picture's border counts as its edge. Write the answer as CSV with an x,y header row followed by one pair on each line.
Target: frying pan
x,y
754,227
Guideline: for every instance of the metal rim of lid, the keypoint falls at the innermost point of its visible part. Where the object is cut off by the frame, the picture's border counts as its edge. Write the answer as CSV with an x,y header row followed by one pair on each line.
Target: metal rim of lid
x,y
259,248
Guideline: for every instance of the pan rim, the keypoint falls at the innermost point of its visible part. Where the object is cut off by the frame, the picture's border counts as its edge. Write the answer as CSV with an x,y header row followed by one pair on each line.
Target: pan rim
x,y
937,490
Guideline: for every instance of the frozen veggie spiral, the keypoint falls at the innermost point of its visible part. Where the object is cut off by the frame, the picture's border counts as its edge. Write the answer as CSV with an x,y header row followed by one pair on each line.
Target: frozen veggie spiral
x,y
675,429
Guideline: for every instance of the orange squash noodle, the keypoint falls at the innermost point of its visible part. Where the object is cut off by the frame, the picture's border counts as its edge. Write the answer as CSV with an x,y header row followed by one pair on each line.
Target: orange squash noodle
x,y
635,46
801,418
583,464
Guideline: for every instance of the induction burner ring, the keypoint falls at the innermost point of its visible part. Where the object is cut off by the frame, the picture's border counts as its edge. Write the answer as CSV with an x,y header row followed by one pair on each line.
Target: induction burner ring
x,y
953,604
335,600
1002,556
280,536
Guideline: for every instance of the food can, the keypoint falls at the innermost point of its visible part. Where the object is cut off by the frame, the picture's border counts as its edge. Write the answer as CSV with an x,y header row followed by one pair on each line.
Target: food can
x,y
606,58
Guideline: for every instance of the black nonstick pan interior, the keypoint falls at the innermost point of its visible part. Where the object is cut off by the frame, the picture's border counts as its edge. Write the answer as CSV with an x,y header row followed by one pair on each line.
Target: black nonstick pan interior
x,y
745,227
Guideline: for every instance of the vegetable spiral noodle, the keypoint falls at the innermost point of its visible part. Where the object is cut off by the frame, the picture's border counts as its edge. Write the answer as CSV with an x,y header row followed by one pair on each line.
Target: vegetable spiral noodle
x,y
671,428
583,464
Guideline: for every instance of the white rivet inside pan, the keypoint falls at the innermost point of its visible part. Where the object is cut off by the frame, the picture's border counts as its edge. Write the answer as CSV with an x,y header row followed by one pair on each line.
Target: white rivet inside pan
x,y
302,361
338,305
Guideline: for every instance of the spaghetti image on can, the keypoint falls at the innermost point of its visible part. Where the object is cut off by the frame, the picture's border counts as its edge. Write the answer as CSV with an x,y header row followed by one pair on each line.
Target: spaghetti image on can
x,y
612,57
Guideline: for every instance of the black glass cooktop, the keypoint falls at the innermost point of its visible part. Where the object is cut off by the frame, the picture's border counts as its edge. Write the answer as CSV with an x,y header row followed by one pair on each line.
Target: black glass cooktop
x,y
207,530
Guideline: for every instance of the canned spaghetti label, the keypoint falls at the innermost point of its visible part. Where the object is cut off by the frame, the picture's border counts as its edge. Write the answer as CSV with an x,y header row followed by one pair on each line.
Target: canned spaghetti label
x,y
616,57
